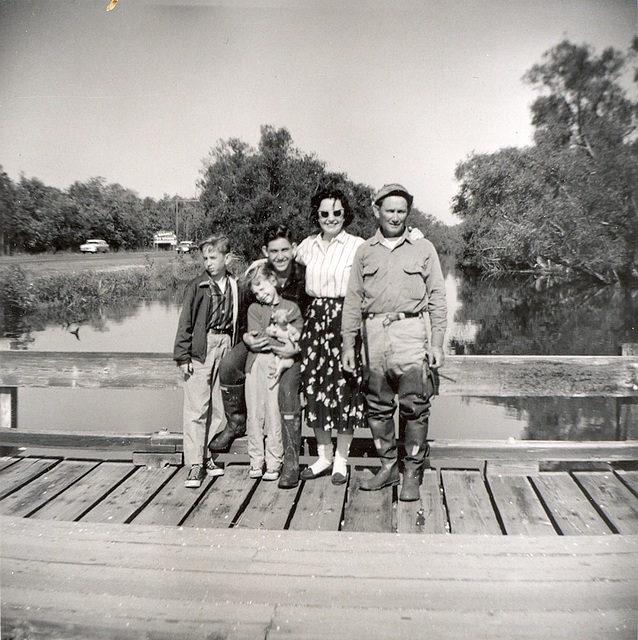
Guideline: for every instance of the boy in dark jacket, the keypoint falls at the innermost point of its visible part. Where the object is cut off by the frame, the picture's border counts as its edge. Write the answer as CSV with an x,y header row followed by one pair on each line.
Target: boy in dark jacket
x,y
207,329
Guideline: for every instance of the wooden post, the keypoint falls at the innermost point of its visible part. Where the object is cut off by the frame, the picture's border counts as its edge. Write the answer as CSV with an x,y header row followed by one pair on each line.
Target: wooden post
x,y
8,407
626,410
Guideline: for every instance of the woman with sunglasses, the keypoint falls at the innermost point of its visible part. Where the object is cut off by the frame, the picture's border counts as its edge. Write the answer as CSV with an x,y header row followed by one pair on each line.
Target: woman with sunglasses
x,y
333,398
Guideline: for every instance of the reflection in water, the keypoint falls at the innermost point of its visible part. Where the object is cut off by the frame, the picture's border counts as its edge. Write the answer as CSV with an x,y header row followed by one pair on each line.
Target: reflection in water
x,y
505,317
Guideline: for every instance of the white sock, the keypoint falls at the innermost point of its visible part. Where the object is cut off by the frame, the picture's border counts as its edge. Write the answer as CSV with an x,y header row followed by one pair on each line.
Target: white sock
x,y
341,454
324,460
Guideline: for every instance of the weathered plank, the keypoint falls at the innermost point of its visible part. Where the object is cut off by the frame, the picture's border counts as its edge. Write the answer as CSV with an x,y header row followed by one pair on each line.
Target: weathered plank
x,y
367,510
320,506
567,376
613,498
45,487
468,503
222,502
85,493
269,507
518,506
173,502
571,510
7,461
124,502
19,474
426,515
630,478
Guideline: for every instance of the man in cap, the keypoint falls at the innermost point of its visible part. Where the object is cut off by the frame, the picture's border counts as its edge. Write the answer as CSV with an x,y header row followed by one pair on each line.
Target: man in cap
x,y
395,284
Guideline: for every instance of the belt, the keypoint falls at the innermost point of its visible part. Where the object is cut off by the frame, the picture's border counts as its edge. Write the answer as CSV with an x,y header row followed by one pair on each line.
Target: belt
x,y
227,332
393,316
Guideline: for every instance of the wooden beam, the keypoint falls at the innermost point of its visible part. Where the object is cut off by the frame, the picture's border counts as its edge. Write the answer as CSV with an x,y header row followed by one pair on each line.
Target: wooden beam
x,y
496,376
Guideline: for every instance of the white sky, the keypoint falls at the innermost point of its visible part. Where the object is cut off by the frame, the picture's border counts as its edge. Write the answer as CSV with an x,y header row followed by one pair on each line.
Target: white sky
x,y
385,91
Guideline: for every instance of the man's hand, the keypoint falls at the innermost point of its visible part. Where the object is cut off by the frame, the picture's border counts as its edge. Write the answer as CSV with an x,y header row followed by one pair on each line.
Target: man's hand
x,y
285,350
187,369
256,343
347,359
436,357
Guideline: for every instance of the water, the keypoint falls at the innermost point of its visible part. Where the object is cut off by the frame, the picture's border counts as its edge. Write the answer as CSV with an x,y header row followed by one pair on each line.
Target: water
x,y
485,317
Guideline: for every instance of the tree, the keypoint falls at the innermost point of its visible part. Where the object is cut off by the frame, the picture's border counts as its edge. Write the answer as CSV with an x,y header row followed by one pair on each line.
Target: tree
x,y
7,212
572,198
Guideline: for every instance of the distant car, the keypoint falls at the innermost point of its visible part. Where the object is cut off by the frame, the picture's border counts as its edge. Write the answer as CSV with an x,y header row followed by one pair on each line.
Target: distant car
x,y
185,246
94,246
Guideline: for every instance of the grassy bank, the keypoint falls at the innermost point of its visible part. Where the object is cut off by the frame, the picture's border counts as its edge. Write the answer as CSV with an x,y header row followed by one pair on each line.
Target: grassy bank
x,y
79,293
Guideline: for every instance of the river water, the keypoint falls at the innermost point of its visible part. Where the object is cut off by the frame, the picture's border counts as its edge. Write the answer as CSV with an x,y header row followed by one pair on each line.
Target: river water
x,y
523,316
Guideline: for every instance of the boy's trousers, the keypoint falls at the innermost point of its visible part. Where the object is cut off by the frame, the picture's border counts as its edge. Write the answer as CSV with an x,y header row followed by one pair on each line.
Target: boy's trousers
x,y
263,418
202,394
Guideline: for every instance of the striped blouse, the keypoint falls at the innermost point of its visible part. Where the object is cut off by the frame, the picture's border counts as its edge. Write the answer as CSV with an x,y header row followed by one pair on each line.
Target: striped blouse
x,y
327,270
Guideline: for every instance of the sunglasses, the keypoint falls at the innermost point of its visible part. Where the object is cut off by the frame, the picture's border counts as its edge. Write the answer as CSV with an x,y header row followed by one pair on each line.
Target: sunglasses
x,y
337,213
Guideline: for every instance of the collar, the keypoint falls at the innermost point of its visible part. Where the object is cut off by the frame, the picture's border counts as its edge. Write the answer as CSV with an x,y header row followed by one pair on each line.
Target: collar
x,y
207,282
340,237
378,237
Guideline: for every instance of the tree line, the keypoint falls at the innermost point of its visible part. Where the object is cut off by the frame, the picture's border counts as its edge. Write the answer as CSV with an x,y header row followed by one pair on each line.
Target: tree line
x,y
567,203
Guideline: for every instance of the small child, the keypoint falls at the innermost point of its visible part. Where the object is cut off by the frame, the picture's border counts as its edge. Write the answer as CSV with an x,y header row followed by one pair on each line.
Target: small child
x,y
207,329
263,370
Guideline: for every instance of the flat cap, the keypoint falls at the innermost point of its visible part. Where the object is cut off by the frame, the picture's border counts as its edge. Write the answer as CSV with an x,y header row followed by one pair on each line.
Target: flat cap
x,y
393,189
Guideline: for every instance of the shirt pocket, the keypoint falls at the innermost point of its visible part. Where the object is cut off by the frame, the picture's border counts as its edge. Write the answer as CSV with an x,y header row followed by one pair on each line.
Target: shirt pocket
x,y
371,285
414,274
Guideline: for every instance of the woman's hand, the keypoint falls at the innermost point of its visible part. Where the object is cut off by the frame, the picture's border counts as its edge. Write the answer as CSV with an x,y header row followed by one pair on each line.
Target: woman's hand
x,y
348,360
255,342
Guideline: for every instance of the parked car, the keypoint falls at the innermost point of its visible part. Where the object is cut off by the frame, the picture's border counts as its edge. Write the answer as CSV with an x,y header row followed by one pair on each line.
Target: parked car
x,y
186,246
94,246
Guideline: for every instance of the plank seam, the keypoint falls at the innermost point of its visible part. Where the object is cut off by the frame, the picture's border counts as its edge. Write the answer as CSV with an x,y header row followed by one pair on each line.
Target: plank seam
x,y
625,483
244,505
32,478
497,512
594,504
197,500
148,500
295,502
545,506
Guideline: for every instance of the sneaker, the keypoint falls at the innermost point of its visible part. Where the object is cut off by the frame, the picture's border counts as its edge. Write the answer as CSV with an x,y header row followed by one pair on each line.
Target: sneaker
x,y
255,473
271,475
195,476
213,469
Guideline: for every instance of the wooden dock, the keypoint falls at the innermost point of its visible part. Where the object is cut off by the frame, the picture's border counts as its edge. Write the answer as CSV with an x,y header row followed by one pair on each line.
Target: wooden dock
x,y
509,540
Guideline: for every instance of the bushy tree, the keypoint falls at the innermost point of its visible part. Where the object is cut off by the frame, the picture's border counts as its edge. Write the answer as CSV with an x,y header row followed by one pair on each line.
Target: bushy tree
x,y
572,198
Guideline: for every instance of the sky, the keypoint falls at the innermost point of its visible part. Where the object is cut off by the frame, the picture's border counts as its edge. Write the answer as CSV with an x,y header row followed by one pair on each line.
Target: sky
x,y
383,90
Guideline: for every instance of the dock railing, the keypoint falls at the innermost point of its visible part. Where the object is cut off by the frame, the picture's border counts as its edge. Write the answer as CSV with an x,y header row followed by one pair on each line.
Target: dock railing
x,y
477,376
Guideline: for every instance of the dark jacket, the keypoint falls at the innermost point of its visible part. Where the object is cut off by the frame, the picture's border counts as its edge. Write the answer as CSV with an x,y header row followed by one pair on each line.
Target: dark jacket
x,y
190,341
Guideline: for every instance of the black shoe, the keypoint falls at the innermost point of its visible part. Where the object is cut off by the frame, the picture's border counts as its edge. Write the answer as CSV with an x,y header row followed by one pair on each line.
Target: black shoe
x,y
309,474
339,478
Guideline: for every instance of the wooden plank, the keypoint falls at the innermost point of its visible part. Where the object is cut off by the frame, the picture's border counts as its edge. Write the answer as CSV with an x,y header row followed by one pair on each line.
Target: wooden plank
x,y
426,515
269,507
45,487
7,461
19,474
319,506
503,376
571,510
630,478
367,510
468,503
124,502
613,498
222,503
173,502
88,440
519,508
85,493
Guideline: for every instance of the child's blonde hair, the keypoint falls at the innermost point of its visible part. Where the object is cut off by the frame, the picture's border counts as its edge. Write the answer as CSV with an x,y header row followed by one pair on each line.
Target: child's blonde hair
x,y
256,273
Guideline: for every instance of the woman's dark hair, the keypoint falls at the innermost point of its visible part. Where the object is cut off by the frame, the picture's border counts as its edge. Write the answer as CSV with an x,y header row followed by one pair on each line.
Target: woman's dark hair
x,y
330,193
276,231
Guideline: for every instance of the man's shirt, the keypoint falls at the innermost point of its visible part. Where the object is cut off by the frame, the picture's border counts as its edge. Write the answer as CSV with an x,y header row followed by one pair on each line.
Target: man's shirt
x,y
404,279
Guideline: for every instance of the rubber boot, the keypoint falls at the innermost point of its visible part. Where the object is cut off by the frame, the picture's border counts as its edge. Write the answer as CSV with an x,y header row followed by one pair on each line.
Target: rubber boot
x,y
386,445
235,410
291,436
416,432
410,487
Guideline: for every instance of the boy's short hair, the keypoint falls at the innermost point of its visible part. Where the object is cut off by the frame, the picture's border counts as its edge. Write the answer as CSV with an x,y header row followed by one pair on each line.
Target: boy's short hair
x,y
276,231
256,273
217,241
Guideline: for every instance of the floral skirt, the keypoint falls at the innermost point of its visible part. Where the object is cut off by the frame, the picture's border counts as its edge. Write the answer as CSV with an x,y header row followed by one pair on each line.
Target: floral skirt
x,y
334,399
